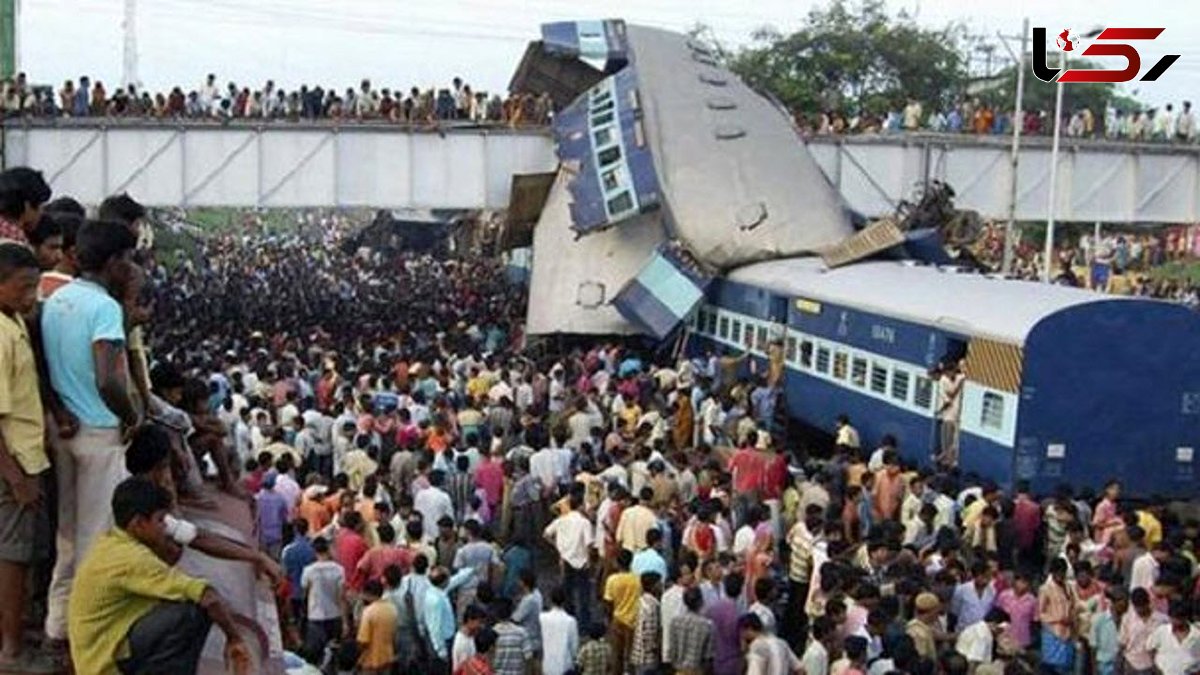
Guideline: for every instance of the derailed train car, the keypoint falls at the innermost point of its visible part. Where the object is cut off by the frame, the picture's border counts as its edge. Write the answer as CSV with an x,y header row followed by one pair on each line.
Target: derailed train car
x,y
1062,385
686,202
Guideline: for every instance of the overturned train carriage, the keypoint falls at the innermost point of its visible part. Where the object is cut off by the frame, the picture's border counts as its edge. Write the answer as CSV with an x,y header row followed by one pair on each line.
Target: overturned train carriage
x,y
683,198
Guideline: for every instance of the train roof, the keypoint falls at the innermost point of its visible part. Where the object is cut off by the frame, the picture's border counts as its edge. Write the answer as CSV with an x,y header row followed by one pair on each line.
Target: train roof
x,y
972,304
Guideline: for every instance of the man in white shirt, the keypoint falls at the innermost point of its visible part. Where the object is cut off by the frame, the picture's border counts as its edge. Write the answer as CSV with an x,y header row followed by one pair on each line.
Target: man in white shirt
x,y
766,654
976,642
464,639
1144,573
433,503
560,636
816,656
1175,646
324,584
847,435
572,536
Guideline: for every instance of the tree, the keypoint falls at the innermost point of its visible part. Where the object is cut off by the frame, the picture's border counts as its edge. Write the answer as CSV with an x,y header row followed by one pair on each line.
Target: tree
x,y
1039,95
856,57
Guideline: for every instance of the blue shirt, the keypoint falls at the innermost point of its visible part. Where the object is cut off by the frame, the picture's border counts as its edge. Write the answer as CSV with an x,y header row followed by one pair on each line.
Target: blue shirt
x,y
515,559
969,605
296,556
439,615
73,319
649,560
272,514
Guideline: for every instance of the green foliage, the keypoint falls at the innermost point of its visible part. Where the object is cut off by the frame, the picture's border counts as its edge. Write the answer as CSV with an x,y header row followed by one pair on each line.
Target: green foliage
x,y
856,56
1039,95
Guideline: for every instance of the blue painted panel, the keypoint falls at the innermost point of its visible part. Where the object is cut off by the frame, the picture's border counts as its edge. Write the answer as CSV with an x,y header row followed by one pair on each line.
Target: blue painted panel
x,y
640,305
599,133
894,338
604,40
1113,383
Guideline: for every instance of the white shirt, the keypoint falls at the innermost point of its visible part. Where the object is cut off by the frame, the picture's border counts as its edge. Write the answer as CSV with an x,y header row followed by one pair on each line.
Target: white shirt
x,y
765,615
572,536
322,582
975,643
769,655
1144,572
287,415
464,648
1171,655
560,641
543,465
433,503
670,607
743,540
815,659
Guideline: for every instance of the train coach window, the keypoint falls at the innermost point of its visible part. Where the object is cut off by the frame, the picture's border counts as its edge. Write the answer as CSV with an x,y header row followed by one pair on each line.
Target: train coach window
x,y
839,365
712,323
823,360
806,353
761,338
790,353
749,341
923,398
900,385
724,332
991,415
879,378
736,335
858,372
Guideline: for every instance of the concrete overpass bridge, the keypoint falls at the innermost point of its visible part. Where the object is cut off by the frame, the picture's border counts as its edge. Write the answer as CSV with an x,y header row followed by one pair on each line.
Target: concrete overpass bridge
x,y
320,164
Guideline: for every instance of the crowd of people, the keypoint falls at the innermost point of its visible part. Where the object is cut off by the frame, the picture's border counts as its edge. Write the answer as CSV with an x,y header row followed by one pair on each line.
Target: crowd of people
x,y
975,116
1118,263
212,102
429,495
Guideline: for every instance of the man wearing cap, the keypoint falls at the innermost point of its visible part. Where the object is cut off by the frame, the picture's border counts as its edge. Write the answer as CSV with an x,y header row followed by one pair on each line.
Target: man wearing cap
x,y
923,628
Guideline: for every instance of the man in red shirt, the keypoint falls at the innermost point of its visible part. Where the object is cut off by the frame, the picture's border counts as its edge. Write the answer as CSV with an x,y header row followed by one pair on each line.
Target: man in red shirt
x,y
1027,520
749,468
378,559
349,547
22,193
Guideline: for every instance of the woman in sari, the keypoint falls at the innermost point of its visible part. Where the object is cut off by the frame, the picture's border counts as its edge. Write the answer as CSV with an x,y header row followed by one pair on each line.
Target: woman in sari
x,y
1056,612
684,422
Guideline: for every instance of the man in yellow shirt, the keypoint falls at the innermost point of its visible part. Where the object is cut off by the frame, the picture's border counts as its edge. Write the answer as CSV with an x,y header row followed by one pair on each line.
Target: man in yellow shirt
x,y
131,612
22,452
623,592
376,632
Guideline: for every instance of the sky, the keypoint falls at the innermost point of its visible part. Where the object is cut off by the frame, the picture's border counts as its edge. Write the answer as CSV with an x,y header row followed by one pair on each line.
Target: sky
x,y
401,43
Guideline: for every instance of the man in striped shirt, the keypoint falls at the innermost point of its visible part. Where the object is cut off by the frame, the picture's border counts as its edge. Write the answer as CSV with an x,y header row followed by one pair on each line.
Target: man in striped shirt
x,y
647,633
693,637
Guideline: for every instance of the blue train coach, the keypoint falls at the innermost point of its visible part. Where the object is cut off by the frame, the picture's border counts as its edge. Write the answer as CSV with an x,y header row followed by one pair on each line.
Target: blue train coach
x,y
1062,385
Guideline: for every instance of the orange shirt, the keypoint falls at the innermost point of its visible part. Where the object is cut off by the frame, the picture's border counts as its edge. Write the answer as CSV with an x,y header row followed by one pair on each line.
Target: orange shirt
x,y
437,443
315,513
376,635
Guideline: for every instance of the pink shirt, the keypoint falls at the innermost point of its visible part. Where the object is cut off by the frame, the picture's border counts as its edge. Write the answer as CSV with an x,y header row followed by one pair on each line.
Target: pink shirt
x,y
489,477
1022,611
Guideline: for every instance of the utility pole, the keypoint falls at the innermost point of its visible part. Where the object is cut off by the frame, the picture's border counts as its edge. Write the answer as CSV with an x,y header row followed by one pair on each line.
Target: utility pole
x,y
9,34
129,72
1047,263
1018,121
